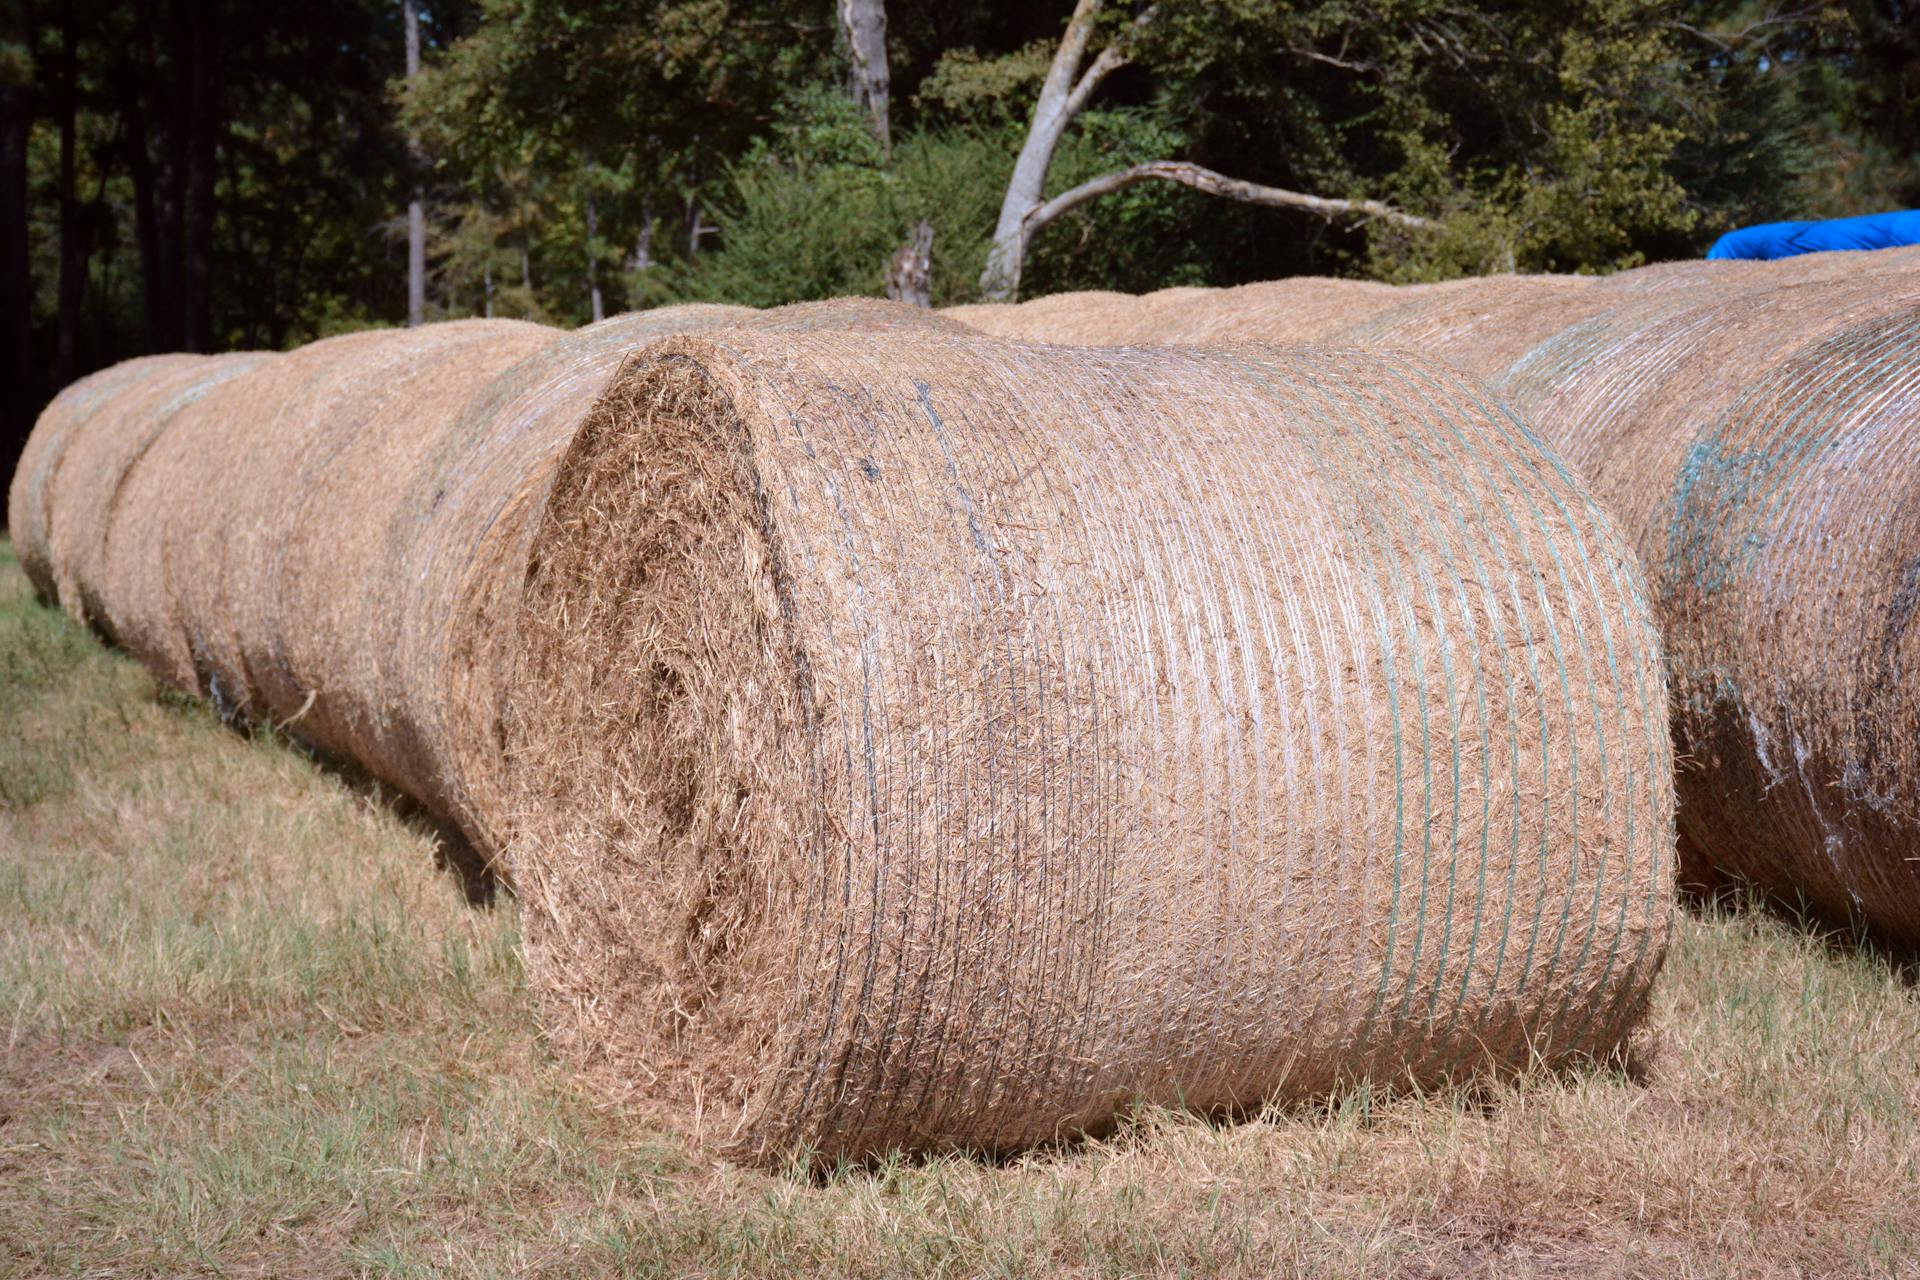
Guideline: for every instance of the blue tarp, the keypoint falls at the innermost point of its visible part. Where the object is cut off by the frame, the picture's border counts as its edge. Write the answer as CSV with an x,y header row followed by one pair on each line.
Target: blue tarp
x,y
1785,239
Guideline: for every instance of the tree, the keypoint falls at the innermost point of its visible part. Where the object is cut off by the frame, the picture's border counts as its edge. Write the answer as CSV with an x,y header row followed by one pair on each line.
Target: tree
x,y
863,26
16,263
910,273
1063,96
416,207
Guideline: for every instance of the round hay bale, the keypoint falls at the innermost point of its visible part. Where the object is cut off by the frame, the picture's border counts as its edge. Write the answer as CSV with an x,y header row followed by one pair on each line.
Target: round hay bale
x,y
1788,595
1741,273
1843,264
862,314
333,439
313,596
1482,324
329,538
93,403
929,742
1298,309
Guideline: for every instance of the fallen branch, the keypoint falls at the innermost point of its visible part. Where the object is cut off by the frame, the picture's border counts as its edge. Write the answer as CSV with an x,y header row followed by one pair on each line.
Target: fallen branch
x,y
1214,184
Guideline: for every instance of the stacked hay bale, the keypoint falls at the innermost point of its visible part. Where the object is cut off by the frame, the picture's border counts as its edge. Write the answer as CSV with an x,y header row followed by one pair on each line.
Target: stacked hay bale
x,y
1722,273
1624,393
376,491
467,548
925,741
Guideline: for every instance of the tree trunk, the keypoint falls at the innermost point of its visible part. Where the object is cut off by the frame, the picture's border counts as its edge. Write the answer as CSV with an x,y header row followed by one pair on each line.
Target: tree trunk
x,y
593,265
203,134
146,218
863,25
169,116
1062,94
416,207
16,262
643,243
910,274
696,225
72,256
486,277
526,274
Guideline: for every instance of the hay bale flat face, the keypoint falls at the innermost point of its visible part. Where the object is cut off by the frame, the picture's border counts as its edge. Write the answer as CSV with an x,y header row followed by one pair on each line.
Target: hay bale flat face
x,y
465,535
1788,593
940,742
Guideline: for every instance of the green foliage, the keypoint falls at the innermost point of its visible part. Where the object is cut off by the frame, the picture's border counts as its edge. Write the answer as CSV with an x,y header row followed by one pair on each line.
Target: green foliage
x,y
969,87
812,212
718,160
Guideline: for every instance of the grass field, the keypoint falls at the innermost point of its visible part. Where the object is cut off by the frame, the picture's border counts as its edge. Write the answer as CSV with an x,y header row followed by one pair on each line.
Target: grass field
x,y
251,1029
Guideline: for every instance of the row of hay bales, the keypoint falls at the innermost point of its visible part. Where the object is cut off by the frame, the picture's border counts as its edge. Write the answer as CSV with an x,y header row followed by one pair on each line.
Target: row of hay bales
x,y
1754,428
901,737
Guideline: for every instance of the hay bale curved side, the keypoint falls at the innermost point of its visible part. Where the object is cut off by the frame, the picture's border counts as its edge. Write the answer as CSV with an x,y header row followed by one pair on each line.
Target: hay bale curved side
x,y
1788,596
1686,274
1480,325
69,414
93,484
1740,273
317,591
1623,395
1297,309
1092,317
929,741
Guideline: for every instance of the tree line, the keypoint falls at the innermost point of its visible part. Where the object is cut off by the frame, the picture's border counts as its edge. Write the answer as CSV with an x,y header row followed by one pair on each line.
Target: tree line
x,y
208,174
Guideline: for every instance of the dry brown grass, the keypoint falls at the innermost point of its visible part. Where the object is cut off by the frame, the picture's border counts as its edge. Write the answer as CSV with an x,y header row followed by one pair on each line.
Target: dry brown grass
x,y
249,1030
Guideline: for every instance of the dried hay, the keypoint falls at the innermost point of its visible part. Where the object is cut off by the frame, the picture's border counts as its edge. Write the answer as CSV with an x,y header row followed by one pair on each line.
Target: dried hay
x,y
1299,309
1085,317
1623,394
927,741
103,404
1788,592
1837,265
1685,275
330,540
1668,395
1480,324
